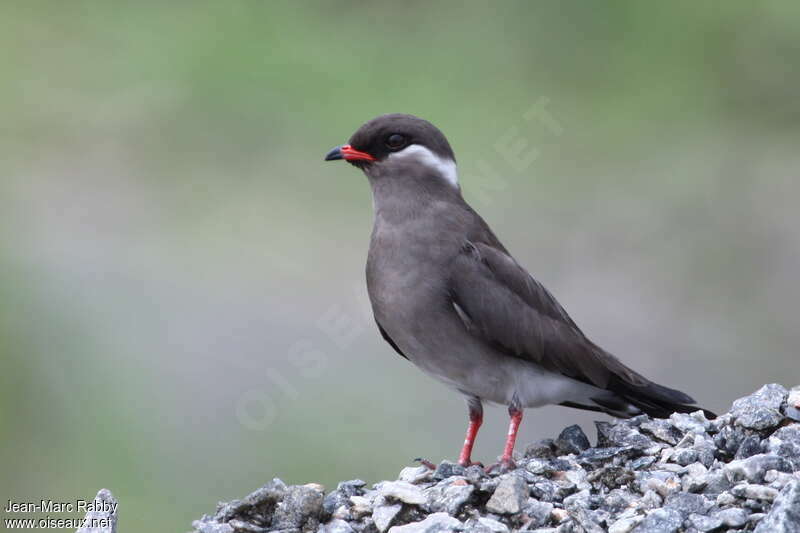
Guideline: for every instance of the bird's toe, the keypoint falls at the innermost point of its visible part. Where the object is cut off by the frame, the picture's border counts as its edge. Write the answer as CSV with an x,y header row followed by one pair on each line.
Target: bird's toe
x,y
425,462
505,464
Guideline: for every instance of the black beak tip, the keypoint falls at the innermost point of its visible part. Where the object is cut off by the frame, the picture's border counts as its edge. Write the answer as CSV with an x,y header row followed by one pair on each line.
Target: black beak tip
x,y
334,154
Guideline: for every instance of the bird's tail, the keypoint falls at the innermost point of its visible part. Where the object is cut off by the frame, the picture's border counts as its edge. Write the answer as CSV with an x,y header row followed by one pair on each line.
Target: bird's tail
x,y
625,399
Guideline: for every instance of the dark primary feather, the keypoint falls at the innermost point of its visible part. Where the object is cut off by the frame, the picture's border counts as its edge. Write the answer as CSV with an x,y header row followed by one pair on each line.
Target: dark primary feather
x,y
388,339
498,300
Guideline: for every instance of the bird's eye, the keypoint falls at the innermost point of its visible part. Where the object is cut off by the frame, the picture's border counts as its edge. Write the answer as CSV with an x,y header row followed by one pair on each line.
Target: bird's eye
x,y
395,140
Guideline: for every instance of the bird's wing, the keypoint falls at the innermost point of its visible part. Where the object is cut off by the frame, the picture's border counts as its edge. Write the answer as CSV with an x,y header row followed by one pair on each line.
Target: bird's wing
x,y
388,339
500,302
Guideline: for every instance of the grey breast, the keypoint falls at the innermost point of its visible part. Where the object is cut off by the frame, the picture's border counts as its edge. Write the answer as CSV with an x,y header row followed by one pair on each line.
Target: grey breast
x,y
414,242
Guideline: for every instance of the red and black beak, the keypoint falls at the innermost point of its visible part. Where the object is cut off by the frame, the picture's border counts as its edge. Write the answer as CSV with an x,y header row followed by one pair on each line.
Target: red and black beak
x,y
348,153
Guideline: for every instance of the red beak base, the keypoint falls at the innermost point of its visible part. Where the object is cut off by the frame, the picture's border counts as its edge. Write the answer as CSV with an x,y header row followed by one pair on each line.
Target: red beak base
x,y
351,154
348,153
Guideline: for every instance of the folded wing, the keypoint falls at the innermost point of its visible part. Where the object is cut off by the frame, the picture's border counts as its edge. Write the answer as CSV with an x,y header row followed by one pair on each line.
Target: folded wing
x,y
500,302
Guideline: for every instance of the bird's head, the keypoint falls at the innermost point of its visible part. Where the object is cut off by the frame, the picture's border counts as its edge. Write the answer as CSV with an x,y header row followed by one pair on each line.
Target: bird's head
x,y
396,145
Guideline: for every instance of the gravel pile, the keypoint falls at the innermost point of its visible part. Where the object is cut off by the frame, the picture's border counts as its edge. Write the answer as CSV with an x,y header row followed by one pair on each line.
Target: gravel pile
x,y
740,472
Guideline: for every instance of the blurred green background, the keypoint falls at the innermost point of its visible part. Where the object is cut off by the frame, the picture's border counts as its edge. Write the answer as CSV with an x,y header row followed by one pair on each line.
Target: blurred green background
x,y
183,312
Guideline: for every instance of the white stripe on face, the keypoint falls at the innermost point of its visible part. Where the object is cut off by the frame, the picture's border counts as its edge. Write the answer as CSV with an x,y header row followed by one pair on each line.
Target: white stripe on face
x,y
446,168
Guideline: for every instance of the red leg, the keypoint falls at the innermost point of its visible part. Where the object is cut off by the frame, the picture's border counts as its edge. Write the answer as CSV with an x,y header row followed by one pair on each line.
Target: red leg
x,y
513,427
475,421
507,460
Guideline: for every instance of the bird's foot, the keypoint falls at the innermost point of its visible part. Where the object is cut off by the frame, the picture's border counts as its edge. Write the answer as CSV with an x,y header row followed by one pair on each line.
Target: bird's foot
x,y
425,462
468,463
504,465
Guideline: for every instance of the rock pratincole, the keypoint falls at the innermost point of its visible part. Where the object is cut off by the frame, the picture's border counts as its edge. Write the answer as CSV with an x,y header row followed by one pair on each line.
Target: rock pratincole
x,y
449,297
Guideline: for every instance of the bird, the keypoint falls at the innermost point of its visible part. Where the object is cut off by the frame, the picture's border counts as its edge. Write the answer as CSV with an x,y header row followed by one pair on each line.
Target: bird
x,y
449,297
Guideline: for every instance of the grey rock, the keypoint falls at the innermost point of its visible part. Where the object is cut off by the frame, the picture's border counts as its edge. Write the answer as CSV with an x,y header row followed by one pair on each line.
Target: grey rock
x,y
383,515
750,446
539,513
601,455
695,478
578,478
300,508
579,499
625,524
352,487
104,518
728,440
755,506
434,523
542,449
583,518
544,490
792,408
415,474
618,500
488,484
705,448
662,430
572,440
777,480
612,476
755,467
473,526
695,422
687,503
705,523
401,491
493,525
650,500
733,517
664,483
621,434
565,488
336,526
330,503
716,482
684,456
784,517
723,420
725,499
340,497
474,473
509,495
206,527
660,521
536,465
259,503
599,516
754,492
671,467
449,495
360,506
448,469
240,526
561,464
785,442
762,409
642,462
559,516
